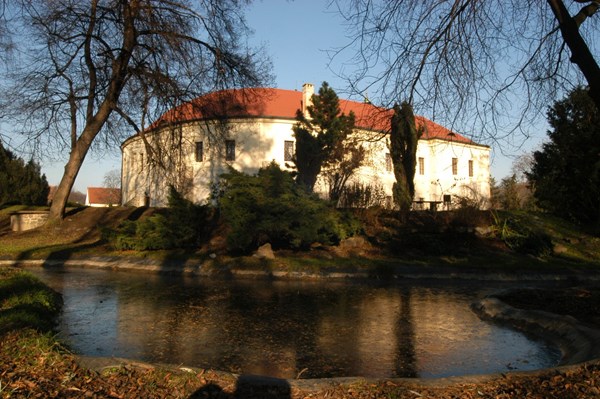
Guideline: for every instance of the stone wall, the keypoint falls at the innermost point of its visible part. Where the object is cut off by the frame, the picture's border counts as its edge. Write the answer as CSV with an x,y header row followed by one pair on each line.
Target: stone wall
x,y
27,220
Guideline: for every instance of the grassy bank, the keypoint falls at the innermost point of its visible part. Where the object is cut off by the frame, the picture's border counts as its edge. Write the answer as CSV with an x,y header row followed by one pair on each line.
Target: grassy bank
x,y
506,242
26,302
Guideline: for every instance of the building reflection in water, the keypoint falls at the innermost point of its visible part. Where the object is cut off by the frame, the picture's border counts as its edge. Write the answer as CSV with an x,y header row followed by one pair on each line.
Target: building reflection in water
x,y
282,329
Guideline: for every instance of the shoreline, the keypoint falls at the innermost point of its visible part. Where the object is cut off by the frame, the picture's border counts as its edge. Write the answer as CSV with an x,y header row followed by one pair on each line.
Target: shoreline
x,y
579,344
228,269
307,386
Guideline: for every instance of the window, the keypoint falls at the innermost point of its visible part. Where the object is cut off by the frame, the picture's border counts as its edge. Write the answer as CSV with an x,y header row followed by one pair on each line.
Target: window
x,y
388,162
470,168
421,166
230,150
288,151
199,151
141,161
455,166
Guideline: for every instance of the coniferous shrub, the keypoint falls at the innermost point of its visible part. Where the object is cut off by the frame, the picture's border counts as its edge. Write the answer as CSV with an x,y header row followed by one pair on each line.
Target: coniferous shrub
x,y
183,225
271,207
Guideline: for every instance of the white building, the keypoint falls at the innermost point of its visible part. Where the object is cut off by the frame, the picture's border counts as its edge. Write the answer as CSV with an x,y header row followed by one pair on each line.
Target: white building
x,y
246,129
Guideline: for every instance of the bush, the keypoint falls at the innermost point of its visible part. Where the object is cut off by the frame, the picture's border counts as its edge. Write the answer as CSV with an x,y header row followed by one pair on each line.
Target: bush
x,y
521,238
271,207
362,196
183,225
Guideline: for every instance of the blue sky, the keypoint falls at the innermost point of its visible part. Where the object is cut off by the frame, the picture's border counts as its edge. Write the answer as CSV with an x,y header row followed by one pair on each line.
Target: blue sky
x,y
298,35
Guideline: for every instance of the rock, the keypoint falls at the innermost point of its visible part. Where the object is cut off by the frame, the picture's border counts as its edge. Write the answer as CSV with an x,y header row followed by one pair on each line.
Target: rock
x,y
265,252
559,249
212,256
352,246
483,231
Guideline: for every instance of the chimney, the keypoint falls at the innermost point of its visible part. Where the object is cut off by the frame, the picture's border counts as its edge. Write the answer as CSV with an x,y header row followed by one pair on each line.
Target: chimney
x,y
307,92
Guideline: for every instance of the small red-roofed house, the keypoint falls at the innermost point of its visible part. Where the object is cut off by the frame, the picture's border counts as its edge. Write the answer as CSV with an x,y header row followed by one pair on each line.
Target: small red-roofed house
x,y
102,196
246,129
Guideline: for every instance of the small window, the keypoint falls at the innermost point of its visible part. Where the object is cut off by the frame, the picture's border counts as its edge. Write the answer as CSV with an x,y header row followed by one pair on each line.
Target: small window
x,y
288,151
230,150
470,168
388,162
455,166
141,161
199,151
421,166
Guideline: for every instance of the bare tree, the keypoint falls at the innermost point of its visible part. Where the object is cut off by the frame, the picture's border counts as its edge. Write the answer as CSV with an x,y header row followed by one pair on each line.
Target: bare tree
x,y
522,165
490,66
92,72
112,179
5,39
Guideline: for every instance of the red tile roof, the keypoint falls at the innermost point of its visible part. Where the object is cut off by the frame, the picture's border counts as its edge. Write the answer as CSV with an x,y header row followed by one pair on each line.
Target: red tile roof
x,y
103,195
279,103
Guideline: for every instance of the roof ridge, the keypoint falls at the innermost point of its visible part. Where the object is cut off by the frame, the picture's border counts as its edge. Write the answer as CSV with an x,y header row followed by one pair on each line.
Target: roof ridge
x,y
255,102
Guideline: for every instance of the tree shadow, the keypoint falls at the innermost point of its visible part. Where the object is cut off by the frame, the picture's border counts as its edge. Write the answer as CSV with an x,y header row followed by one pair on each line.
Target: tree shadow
x,y
84,226
247,387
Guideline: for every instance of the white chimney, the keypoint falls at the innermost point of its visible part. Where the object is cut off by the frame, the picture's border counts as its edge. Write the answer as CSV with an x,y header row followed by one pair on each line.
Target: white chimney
x,y
308,89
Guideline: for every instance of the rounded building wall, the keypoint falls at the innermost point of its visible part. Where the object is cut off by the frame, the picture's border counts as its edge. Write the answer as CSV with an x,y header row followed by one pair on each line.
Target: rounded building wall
x,y
192,157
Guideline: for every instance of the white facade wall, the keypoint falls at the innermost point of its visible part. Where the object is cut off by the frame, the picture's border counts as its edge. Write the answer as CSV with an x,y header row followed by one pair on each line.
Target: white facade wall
x,y
439,179
259,141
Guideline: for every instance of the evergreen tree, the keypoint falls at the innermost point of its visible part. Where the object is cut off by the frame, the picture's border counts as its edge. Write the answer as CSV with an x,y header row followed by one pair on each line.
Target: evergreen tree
x,y
6,181
566,171
21,182
404,138
509,193
270,207
321,139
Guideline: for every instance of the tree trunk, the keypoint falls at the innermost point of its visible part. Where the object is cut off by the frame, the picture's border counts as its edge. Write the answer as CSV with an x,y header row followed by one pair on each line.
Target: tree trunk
x,y
580,52
404,138
94,123
76,157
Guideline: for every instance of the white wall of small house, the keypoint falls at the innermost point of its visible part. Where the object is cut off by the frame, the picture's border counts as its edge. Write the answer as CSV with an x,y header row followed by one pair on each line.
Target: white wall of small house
x,y
262,140
439,179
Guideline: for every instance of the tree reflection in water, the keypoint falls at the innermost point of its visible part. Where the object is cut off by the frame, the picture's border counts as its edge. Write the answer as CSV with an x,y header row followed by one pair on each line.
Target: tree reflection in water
x,y
287,329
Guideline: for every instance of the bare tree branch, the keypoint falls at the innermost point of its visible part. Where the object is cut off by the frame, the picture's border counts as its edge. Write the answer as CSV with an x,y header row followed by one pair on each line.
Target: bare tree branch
x,y
94,72
486,67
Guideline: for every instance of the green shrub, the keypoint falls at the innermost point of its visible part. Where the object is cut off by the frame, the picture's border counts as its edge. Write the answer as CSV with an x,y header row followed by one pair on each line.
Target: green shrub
x,y
522,238
183,225
271,207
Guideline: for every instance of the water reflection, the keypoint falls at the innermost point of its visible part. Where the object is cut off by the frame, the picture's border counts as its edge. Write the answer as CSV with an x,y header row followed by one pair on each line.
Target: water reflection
x,y
283,329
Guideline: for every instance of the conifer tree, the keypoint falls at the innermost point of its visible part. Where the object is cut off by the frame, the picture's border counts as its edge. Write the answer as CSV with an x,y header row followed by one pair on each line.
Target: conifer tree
x,y
565,173
321,139
20,182
404,138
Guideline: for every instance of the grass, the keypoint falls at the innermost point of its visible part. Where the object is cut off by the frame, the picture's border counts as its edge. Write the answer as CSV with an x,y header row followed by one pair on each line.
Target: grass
x,y
25,302
427,241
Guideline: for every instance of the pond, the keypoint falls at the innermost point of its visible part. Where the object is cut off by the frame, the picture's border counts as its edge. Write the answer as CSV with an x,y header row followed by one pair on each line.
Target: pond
x,y
287,329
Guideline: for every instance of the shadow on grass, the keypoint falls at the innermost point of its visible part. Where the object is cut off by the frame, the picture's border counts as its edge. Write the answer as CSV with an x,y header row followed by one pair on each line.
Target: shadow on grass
x,y
63,251
34,316
85,226
27,302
